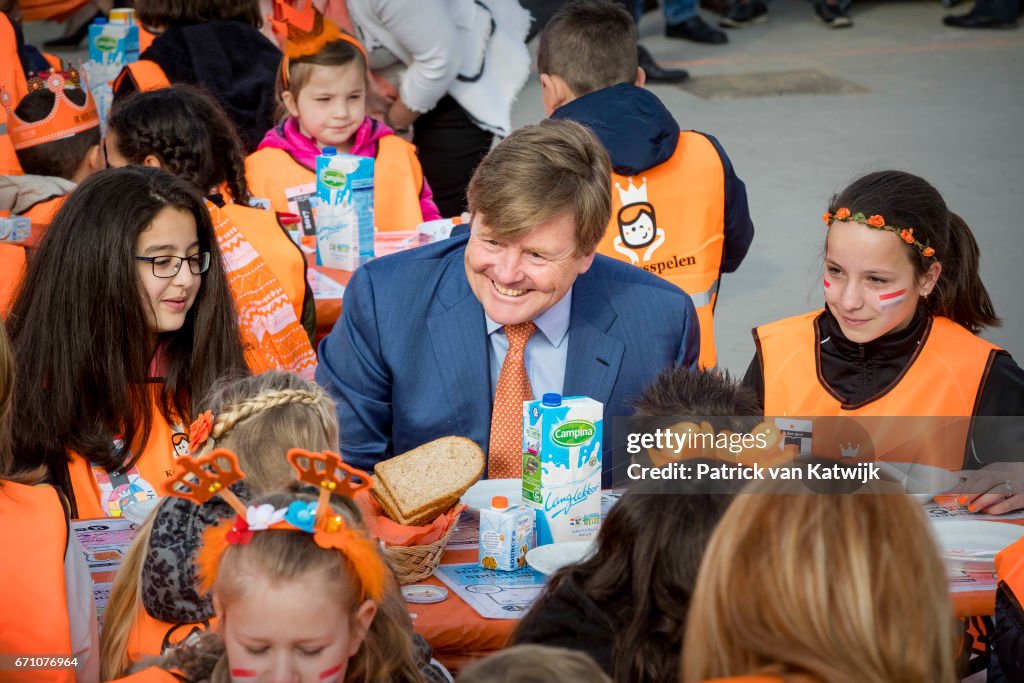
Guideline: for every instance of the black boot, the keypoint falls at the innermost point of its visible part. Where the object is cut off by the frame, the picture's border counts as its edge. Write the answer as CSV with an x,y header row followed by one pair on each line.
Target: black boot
x,y
656,73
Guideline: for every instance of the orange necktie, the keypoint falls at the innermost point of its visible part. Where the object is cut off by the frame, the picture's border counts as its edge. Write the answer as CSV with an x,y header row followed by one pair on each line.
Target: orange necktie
x,y
506,450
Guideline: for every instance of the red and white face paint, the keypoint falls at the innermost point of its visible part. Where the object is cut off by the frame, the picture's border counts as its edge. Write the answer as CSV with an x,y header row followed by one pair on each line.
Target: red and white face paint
x,y
291,632
870,285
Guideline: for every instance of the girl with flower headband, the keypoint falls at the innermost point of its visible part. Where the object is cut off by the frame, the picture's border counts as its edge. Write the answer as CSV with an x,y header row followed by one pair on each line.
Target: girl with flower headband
x,y
182,130
322,88
904,303
123,318
155,597
289,608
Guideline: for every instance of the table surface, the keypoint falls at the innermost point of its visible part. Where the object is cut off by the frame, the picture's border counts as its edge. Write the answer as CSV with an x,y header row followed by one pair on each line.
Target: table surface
x,y
327,310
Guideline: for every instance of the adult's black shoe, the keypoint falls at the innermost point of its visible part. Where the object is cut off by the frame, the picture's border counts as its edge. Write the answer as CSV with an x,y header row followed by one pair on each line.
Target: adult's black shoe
x,y
656,73
697,30
975,20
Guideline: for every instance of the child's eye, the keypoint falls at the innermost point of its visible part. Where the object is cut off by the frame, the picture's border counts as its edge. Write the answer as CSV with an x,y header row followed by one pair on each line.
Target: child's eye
x,y
256,650
162,261
832,270
877,280
311,653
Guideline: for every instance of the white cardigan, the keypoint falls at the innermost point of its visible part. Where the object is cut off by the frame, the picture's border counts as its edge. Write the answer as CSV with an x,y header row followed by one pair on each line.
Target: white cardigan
x,y
474,50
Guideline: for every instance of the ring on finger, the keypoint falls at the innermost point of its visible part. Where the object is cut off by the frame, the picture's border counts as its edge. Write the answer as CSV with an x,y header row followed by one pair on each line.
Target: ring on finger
x,y
1009,488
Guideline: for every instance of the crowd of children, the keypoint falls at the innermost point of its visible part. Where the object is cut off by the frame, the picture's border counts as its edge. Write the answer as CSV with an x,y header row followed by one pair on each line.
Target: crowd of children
x,y
160,315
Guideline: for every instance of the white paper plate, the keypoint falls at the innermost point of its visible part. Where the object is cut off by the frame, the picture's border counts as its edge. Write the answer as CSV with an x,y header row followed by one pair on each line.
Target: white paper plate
x,y
973,544
548,559
479,494
924,482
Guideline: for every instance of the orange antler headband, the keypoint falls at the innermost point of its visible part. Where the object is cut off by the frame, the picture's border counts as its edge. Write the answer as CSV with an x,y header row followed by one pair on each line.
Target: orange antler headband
x,y
878,223
303,33
64,120
200,479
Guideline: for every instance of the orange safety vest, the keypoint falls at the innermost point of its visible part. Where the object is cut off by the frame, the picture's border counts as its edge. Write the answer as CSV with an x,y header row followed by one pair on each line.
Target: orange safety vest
x,y
34,619
151,637
42,213
12,270
671,222
99,493
153,674
141,76
271,332
943,380
12,79
1010,570
397,181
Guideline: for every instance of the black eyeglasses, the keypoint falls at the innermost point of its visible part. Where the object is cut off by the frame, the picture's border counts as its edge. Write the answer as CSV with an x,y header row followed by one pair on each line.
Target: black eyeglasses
x,y
168,266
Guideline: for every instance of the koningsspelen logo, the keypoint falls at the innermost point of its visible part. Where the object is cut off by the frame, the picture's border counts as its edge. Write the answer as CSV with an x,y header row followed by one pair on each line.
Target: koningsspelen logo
x,y
573,433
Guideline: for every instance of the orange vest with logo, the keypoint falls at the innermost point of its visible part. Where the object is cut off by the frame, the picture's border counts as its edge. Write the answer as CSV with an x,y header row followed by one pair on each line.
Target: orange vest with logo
x,y
34,618
397,181
12,270
99,493
670,221
142,76
943,380
151,637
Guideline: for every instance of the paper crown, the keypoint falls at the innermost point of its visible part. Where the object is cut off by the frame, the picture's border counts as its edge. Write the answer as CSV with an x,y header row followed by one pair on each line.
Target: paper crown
x,y
64,120
304,32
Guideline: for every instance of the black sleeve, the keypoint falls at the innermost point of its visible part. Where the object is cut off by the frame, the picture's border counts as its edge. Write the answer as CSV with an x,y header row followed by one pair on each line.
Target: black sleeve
x,y
999,428
739,228
754,378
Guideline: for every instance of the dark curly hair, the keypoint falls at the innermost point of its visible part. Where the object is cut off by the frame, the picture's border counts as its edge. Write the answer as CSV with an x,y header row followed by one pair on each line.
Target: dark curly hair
x,y
188,132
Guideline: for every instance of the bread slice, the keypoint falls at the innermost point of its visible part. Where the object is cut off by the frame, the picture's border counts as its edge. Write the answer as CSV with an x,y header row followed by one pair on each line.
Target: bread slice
x,y
426,481
386,504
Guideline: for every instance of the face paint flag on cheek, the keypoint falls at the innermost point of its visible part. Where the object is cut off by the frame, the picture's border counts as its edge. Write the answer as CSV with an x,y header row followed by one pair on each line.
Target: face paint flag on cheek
x,y
243,676
331,675
892,299
827,284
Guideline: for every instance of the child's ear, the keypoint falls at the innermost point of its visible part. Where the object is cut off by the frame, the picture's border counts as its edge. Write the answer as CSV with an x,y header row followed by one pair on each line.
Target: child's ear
x,y
152,161
555,92
359,626
641,77
289,103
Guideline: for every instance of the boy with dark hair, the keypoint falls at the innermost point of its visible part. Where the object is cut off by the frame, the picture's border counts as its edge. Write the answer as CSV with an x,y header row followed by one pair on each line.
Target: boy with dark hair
x,y
55,130
686,219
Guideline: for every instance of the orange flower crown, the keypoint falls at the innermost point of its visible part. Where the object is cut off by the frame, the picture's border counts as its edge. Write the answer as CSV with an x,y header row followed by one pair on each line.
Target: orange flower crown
x,y
878,223
64,120
303,33
200,479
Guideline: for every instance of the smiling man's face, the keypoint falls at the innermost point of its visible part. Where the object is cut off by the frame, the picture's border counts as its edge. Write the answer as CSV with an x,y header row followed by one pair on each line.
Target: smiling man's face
x,y
517,280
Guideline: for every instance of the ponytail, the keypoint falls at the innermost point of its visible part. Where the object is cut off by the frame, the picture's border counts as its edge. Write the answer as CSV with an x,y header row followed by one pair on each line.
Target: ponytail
x,y
122,612
959,294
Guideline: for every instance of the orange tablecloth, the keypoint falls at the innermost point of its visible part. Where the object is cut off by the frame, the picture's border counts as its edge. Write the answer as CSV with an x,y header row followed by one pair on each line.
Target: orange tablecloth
x,y
327,310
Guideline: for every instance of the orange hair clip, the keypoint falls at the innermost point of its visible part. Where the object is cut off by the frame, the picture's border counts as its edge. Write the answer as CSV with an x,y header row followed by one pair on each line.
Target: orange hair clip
x,y
327,472
200,479
304,32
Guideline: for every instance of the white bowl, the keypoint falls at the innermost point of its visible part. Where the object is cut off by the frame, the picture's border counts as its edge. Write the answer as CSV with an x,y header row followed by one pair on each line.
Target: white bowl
x,y
548,559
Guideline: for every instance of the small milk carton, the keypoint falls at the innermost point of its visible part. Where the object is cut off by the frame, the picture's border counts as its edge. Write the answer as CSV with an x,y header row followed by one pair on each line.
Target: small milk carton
x,y
562,439
344,212
113,42
506,535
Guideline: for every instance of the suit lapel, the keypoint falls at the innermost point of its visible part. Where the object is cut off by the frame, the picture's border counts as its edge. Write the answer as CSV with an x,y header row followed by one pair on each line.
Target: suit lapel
x,y
458,335
594,357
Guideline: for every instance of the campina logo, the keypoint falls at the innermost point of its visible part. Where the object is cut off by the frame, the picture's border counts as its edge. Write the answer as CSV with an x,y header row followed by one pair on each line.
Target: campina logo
x,y
106,44
573,433
333,179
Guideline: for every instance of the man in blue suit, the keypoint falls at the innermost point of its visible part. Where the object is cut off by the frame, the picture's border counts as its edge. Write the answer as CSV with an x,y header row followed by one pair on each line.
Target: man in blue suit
x,y
421,349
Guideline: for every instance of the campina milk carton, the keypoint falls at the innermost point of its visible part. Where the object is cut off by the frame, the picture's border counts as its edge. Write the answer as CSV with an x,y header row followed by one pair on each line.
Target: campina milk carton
x,y
562,440
113,42
344,210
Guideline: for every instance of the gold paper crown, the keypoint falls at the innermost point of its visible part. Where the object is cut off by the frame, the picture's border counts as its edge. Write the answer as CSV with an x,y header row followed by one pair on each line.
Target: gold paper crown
x,y
64,120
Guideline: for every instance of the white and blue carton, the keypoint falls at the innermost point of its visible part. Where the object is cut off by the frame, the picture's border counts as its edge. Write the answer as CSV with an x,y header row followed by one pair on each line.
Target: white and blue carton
x,y
506,535
344,210
113,43
562,440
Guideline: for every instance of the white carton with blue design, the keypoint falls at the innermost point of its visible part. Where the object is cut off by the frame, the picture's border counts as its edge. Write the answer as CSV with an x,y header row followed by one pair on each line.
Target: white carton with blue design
x,y
344,210
113,43
562,439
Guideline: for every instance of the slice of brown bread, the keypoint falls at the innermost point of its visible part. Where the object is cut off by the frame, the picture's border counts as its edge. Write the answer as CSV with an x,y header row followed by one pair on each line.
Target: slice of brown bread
x,y
386,504
426,481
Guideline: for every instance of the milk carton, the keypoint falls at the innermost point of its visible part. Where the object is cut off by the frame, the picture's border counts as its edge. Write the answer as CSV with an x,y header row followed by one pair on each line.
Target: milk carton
x,y
344,212
562,439
113,43
506,535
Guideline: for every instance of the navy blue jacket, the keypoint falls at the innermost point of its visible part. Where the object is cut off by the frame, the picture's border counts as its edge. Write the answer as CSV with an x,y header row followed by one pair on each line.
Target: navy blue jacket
x,y
640,133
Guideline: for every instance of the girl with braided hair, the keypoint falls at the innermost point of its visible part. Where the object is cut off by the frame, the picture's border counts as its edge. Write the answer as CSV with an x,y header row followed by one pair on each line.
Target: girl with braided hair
x,y
155,601
185,132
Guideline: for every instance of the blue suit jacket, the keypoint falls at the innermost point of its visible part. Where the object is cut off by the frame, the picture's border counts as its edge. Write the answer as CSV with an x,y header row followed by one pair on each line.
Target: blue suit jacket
x,y
408,360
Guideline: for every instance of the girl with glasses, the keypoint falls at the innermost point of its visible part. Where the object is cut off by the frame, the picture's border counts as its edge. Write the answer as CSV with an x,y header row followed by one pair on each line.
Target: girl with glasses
x,y
123,317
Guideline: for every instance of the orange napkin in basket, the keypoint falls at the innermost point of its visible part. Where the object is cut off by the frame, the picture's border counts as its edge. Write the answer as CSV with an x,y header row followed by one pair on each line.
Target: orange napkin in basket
x,y
391,532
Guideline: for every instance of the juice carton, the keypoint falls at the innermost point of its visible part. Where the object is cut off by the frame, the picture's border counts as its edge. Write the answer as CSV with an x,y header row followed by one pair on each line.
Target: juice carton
x,y
562,440
344,212
14,228
113,42
506,535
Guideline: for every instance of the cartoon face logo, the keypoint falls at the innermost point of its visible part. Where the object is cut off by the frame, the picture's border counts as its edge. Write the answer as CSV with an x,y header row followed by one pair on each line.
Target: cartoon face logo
x,y
180,442
637,224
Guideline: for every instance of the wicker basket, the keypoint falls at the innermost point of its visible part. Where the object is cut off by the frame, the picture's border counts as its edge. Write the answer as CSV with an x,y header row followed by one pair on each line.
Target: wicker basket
x,y
414,563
